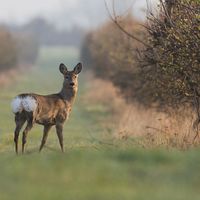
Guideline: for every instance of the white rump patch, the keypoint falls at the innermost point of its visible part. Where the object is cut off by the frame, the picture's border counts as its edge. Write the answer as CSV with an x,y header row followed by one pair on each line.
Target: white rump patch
x,y
27,103
16,104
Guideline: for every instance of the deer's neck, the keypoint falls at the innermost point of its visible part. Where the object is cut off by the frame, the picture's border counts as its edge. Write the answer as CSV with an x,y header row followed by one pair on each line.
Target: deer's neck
x,y
68,94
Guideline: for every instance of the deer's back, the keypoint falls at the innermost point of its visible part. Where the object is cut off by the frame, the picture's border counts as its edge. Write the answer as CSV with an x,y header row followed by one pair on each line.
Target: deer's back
x,y
44,109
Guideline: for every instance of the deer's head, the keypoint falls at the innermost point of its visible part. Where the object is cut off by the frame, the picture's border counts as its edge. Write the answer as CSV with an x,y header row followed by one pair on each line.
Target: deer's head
x,y
70,77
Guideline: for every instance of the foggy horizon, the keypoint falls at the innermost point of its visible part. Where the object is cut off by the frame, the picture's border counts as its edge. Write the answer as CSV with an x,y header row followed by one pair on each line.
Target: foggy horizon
x,y
86,14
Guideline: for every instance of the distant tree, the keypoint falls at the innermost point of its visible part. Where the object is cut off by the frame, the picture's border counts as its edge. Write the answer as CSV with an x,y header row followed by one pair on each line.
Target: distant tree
x,y
47,34
27,48
8,50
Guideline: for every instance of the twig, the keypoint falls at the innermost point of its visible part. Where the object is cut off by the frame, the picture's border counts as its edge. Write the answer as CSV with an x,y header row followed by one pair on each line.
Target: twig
x,y
115,21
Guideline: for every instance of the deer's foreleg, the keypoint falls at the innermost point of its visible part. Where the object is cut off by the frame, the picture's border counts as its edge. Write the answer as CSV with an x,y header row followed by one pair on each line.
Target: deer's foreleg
x,y
45,135
59,131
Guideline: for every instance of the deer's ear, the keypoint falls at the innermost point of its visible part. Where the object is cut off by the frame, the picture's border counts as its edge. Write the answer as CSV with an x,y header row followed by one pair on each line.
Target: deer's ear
x,y
78,68
63,68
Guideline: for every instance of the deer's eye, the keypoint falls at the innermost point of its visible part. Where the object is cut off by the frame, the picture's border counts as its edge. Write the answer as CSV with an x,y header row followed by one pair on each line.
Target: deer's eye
x,y
67,77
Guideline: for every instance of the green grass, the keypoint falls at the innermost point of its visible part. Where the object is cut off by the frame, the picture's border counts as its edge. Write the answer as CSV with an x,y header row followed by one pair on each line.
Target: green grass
x,y
95,166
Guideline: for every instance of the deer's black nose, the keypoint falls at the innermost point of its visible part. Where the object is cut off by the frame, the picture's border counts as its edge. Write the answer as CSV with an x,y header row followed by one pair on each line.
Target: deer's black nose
x,y
72,84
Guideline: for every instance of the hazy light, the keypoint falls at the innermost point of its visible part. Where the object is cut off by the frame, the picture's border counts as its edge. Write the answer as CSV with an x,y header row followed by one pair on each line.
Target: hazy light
x,y
64,13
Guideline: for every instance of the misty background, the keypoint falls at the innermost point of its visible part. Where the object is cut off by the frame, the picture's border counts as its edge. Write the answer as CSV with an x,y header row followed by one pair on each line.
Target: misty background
x,y
67,13
63,22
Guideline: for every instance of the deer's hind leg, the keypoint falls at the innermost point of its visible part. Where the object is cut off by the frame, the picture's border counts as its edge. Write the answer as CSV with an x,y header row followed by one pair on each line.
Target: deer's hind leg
x,y
29,126
20,119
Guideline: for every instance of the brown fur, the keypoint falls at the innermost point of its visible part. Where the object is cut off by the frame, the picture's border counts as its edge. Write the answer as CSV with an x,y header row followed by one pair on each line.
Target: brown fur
x,y
53,109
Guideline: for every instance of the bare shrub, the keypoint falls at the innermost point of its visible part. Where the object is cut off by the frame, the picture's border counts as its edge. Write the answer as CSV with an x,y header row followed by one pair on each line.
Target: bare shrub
x,y
112,55
171,65
167,76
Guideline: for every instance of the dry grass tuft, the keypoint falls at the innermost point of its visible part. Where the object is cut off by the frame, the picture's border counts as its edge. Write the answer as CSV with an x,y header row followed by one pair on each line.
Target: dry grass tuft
x,y
149,127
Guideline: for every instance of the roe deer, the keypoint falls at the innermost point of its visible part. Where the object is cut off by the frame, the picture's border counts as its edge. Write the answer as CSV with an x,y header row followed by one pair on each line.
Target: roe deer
x,y
47,110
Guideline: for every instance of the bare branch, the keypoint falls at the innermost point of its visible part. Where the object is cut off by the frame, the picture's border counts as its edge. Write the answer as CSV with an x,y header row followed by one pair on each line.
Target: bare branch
x,y
114,19
167,12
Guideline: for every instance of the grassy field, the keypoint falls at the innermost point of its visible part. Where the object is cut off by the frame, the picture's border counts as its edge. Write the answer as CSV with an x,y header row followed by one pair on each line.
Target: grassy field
x,y
95,166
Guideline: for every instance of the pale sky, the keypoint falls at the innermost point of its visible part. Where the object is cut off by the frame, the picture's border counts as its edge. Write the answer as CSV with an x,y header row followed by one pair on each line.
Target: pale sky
x,y
61,12
22,10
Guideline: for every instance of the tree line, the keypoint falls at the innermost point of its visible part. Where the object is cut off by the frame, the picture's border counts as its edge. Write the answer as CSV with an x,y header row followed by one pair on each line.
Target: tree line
x,y
19,45
17,49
